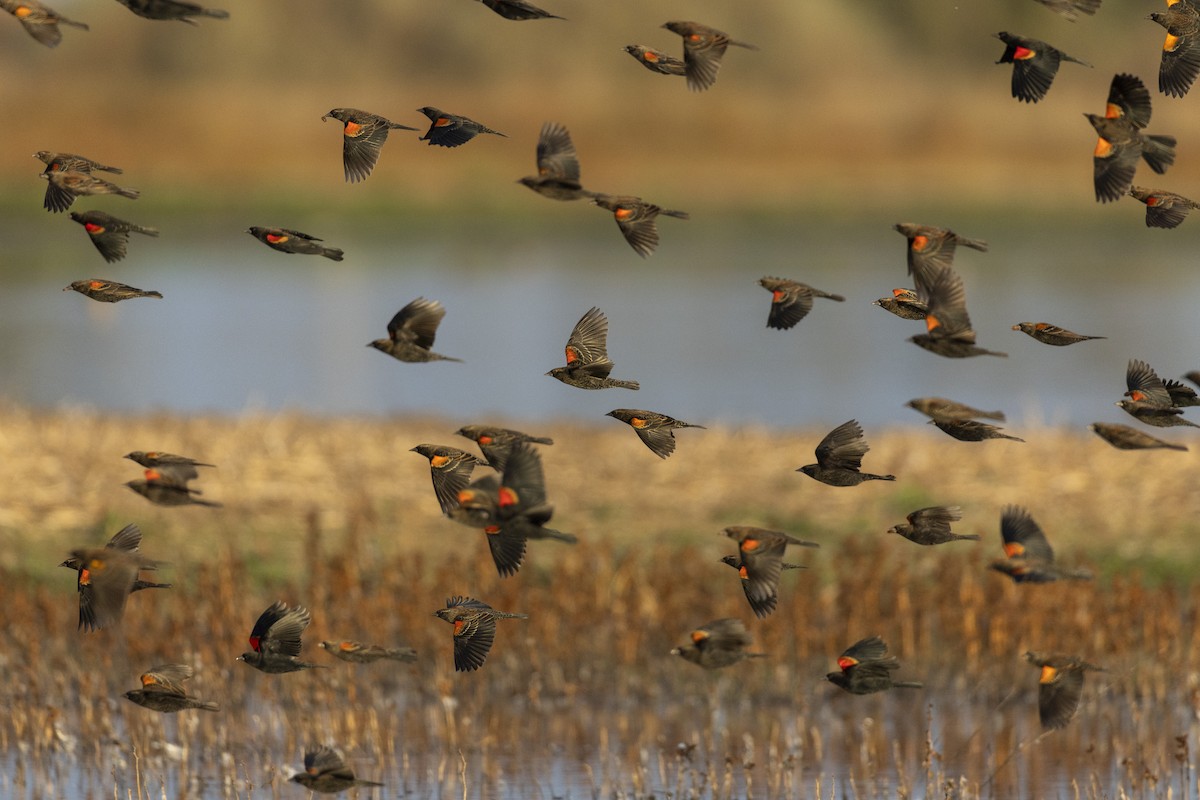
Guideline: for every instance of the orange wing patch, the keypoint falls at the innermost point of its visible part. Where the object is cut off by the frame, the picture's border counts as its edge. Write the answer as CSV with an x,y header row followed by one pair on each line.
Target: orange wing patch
x,y
439,461
1024,53
458,626
1049,673
1112,111
507,497
919,242
352,129
347,647
623,213
778,295
276,238
1104,148
932,322
745,573
485,439
699,636
95,284
22,12
749,544
442,122
572,357
1171,43
93,228
653,59
638,422
846,662
1014,549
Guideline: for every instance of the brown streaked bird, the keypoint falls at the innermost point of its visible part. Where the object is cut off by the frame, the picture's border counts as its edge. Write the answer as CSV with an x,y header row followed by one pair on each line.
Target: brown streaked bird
x,y
1121,142
948,327
474,630
1059,687
931,248
179,469
904,303
162,690
1071,9
108,291
128,539
1030,557
1046,333
941,408
720,643
327,773
60,199
1144,385
496,442
703,49
172,10
1124,437
930,526
39,21
839,458
656,60
359,653
1163,209
160,488
275,639
557,166
588,365
1035,64
1180,63
1155,415
286,240
109,234
760,563
110,575
791,301
518,10
969,430
654,429
450,470
412,331
452,130
65,185
867,668
636,219
363,135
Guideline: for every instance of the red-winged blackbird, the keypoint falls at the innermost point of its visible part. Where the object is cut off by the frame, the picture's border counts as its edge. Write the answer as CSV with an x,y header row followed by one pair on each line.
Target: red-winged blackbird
x,y
109,234
286,240
65,185
588,366
941,408
518,10
929,526
162,690
110,574
1030,557
60,199
656,60
359,653
716,644
1035,64
450,469
1163,209
1121,141
839,458
1144,385
930,249
1156,415
275,639
652,428
1059,687
1181,50
326,772
703,48
867,668
949,332
904,303
161,488
412,331
1124,437
969,430
1071,9
363,135
791,301
495,443
1046,333
474,630
760,563
172,10
636,219
451,130
179,469
108,291
128,539
39,21
557,165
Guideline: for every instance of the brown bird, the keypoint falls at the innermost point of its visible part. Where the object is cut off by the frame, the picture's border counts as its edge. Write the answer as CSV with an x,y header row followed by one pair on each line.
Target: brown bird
x,y
1030,557
518,10
286,240
451,130
172,10
930,249
1071,9
327,773
474,630
791,301
866,668
703,49
656,60
60,199
1156,415
65,185
941,408
108,291
359,653
495,443
109,234
1144,385
588,366
930,526
1124,437
128,539
275,639
160,488
1035,64
1180,63
39,21
179,469
904,303
1059,687
968,430
1121,141
450,469
654,429
557,166
949,332
412,331
109,575
162,690
363,135
759,562
1046,333
717,644
1163,209
839,458
636,219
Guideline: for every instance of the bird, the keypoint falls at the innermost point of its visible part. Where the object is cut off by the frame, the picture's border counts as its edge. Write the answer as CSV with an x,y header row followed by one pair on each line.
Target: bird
x,y
450,469
495,442
359,653
286,240
180,469
411,333
654,429
108,291
128,540
162,690
948,327
1155,415
1035,64
1124,437
1046,333
656,60
1060,686
557,166
839,458
636,219
110,574
172,10
65,185
59,199
866,668
1071,9
759,563
162,489
720,643
452,130
588,366
930,248
327,773
109,234
904,303
1121,141
1030,559
791,301
1163,209
1180,64
1143,385
275,639
969,430
703,49
363,135
941,408
39,21
474,630
518,10
930,526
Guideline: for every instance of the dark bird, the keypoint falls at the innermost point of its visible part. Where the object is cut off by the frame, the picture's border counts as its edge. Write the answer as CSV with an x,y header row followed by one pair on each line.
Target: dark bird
x,y
39,21
969,430
1181,49
904,303
412,331
363,135
286,240
162,690
495,442
1163,209
450,469
108,291
327,773
588,366
636,219
179,469
451,130
941,408
65,185
107,576
839,458
1124,437
557,166
1046,333
109,234
1071,9
474,630
791,301
1030,557
128,540
759,563
948,327
518,10
58,199
1121,141
172,9
866,668
654,429
275,639
160,488
931,248
703,48
1035,64
930,526
1156,415
359,653
1059,687
1143,385
656,60
717,644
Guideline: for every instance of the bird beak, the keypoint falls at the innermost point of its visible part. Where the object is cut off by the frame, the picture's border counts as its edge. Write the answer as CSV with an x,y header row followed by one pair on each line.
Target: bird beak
x,y
324,117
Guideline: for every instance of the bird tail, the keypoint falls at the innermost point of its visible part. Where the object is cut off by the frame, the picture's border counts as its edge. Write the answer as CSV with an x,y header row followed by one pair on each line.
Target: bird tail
x,y
625,384
908,685
869,477
549,533
401,654
1159,152
152,294
215,13
829,295
1014,438
134,194
208,503
506,615
209,706
72,23
746,45
670,212
970,536
146,231
974,244
1066,57
332,253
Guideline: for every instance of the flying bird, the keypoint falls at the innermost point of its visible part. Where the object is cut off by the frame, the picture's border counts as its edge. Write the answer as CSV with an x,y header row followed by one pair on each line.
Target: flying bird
x,y
654,429
703,49
363,135
1035,64
474,630
451,130
411,333
1122,142
1030,559
588,365
791,301
839,458
557,166
109,234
